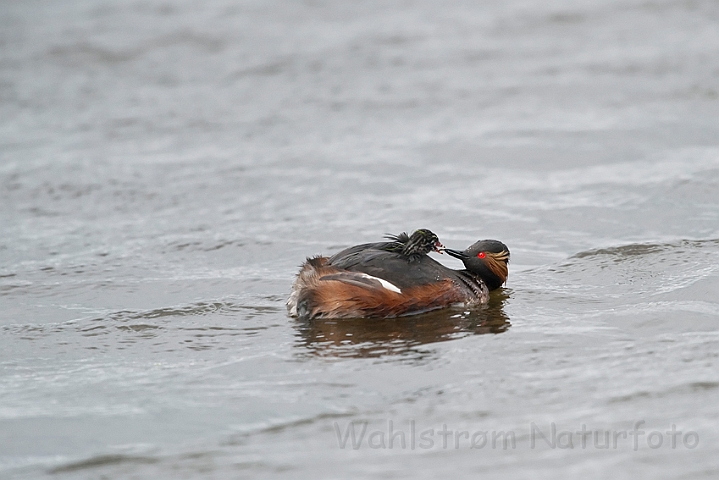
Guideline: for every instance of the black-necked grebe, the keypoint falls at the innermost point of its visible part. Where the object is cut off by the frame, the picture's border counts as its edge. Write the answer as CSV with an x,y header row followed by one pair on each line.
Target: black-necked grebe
x,y
395,278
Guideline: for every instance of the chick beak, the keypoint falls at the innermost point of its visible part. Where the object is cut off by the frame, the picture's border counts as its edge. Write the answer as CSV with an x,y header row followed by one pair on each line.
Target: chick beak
x,y
438,247
456,253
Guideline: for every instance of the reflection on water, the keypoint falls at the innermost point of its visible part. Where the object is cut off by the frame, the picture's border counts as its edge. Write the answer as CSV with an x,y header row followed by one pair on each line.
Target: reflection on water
x,y
368,338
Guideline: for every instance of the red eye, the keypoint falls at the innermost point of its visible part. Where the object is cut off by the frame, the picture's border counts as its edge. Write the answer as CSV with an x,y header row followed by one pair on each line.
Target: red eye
x,y
481,255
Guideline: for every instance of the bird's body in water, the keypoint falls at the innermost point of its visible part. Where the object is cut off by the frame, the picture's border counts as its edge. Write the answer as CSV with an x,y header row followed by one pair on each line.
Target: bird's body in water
x,y
395,278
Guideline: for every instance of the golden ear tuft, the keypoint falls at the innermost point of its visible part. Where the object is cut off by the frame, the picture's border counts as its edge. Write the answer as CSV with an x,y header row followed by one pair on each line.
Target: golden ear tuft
x,y
502,256
497,263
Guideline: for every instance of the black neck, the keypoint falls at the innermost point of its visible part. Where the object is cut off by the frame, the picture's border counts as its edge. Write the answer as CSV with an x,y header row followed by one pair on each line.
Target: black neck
x,y
492,281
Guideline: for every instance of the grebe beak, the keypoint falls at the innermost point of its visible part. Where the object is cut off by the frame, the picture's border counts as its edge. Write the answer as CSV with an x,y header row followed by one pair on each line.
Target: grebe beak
x,y
456,253
438,247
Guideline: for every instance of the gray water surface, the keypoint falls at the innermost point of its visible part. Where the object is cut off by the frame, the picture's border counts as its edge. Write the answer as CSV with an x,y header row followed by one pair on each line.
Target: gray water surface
x,y
166,167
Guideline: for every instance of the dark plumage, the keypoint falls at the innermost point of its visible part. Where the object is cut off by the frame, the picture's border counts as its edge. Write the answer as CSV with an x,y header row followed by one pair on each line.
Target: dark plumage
x,y
409,247
395,278
421,242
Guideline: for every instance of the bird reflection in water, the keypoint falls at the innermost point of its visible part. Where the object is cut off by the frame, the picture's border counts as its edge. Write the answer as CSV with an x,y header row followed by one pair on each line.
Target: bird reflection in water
x,y
370,338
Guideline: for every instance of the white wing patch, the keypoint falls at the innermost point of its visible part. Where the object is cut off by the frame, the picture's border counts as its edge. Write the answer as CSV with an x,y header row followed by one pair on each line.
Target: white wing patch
x,y
363,280
387,285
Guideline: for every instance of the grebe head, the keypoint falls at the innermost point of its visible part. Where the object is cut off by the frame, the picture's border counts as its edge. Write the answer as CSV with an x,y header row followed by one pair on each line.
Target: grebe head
x,y
488,259
421,242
